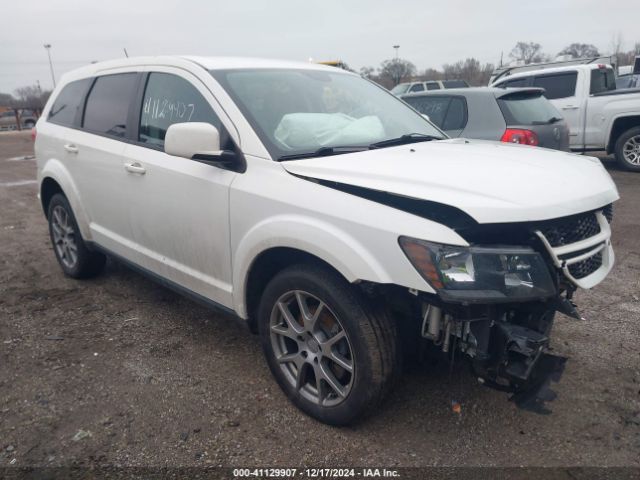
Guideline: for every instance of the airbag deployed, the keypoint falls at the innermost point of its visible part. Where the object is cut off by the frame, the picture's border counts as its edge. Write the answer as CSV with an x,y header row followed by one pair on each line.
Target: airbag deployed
x,y
302,131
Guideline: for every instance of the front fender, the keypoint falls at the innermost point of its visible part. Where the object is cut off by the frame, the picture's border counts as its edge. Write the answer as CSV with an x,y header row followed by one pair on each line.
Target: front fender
x,y
343,251
55,169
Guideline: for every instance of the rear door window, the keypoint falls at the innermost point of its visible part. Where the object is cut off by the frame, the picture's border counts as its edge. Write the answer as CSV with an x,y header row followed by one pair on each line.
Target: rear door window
x,y
454,84
602,80
170,99
108,104
527,109
66,109
418,87
516,82
433,86
558,85
447,112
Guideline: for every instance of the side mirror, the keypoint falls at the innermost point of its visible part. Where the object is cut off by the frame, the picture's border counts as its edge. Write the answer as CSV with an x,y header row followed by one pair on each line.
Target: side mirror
x,y
188,140
426,117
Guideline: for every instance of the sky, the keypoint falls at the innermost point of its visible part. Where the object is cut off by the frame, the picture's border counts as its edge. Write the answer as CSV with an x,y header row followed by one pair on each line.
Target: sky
x,y
359,32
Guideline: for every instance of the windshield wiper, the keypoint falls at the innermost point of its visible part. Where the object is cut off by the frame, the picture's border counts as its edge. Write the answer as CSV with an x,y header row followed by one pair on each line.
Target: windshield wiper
x,y
552,120
323,152
404,139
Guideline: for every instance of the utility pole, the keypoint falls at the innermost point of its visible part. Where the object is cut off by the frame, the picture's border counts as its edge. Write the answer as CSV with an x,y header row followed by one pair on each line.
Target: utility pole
x,y
47,47
396,47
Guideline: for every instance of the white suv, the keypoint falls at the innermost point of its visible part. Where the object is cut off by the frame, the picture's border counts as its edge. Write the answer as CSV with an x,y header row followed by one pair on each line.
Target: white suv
x,y
326,212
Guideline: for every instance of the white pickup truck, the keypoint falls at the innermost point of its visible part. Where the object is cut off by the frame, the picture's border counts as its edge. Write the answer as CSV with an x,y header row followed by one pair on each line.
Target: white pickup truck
x,y
599,116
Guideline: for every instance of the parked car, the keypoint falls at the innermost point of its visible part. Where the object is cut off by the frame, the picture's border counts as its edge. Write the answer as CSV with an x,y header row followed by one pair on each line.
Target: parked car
x,y
629,80
8,119
326,213
599,116
412,87
515,115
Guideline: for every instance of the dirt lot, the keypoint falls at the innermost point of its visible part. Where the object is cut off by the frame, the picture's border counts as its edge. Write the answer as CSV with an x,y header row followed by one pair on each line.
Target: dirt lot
x,y
154,379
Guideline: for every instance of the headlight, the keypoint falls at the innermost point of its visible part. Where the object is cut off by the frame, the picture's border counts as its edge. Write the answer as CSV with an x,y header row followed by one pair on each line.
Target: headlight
x,y
479,274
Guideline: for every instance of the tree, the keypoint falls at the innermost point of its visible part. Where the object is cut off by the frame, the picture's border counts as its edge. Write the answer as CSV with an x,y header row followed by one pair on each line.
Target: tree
x,y
367,72
397,70
580,50
470,70
31,98
527,52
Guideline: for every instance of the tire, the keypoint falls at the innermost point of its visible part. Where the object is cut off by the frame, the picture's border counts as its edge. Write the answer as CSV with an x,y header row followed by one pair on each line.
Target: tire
x,y
346,331
75,259
628,150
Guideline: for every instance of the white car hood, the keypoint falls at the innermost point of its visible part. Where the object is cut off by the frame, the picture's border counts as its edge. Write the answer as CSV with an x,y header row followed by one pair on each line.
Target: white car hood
x,y
492,182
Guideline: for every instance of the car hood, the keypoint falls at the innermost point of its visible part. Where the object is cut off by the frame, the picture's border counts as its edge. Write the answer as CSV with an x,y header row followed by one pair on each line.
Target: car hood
x,y
492,182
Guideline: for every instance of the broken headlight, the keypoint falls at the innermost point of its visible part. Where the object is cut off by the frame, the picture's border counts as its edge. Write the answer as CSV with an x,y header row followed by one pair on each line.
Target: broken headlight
x,y
480,274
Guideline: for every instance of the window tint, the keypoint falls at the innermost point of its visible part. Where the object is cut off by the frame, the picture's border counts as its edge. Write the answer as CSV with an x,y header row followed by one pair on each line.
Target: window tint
x,y
433,86
454,84
418,87
516,82
434,107
456,117
108,104
169,99
527,109
68,103
602,80
557,86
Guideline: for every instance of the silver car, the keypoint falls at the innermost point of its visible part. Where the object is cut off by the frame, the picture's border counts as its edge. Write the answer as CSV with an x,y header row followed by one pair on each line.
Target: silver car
x,y
8,119
516,115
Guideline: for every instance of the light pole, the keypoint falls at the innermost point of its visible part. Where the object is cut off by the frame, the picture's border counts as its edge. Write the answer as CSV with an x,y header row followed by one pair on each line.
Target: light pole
x,y
47,47
396,47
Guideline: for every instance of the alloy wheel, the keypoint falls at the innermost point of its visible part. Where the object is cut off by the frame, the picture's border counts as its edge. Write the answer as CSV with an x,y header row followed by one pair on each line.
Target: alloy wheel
x,y
64,237
631,150
312,348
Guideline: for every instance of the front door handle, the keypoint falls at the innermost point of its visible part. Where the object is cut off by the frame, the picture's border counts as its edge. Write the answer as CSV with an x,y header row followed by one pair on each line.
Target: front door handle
x,y
570,107
135,167
71,148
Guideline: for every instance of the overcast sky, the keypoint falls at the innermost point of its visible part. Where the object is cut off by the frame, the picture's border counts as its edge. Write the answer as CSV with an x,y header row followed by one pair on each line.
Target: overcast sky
x,y
359,32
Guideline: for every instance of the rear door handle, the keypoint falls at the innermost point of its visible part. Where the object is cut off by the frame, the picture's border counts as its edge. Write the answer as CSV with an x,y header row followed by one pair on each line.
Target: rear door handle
x,y
570,107
135,167
71,148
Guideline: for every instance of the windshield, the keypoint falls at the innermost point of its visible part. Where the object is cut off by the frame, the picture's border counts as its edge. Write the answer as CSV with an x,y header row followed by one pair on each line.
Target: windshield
x,y
526,109
400,88
299,112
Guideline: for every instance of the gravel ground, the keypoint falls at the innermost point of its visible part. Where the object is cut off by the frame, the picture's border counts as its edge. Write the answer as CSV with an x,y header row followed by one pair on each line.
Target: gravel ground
x,y
118,370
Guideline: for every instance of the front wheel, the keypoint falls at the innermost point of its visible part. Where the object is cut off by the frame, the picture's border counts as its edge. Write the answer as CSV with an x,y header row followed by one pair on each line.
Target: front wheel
x,y
332,353
628,149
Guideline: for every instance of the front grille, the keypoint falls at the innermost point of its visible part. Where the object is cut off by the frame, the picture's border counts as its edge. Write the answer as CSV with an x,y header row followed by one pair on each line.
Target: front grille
x,y
586,267
571,229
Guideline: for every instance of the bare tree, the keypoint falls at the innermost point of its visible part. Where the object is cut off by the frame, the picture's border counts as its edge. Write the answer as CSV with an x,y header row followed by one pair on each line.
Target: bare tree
x,y
31,98
396,70
580,50
470,70
527,52
368,72
616,43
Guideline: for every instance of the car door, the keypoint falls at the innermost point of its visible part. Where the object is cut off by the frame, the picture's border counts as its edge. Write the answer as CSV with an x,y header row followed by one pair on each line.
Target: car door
x,y
94,155
179,208
560,89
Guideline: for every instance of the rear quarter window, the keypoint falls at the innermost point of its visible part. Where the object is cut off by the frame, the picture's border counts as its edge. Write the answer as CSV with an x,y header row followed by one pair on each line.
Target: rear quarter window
x,y
558,85
602,80
516,82
108,104
67,106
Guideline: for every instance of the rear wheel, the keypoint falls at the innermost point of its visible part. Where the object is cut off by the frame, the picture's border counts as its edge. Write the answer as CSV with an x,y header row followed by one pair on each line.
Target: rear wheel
x,y
332,353
74,257
628,149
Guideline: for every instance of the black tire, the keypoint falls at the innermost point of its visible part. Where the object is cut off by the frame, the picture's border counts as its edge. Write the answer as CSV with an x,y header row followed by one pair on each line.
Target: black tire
x,y
85,263
371,336
620,146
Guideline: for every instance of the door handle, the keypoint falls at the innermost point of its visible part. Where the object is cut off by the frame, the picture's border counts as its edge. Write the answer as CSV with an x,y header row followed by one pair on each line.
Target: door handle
x,y
71,148
135,167
570,107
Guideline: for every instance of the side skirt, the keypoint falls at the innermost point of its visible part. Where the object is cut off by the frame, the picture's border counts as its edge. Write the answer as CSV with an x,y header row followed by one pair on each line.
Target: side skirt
x,y
204,301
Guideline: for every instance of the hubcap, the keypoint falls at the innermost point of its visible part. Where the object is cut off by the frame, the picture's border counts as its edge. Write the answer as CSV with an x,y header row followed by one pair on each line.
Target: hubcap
x,y
631,150
64,237
312,348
